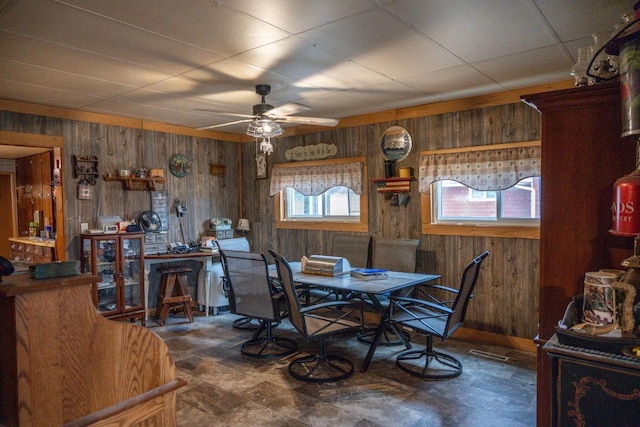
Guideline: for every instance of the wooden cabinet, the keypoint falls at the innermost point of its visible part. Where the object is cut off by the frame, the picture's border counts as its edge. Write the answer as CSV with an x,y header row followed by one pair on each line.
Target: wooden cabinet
x,y
582,157
64,364
119,261
85,168
592,388
32,249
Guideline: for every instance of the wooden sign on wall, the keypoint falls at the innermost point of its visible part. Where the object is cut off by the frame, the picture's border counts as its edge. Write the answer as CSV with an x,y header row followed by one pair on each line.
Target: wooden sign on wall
x,y
311,152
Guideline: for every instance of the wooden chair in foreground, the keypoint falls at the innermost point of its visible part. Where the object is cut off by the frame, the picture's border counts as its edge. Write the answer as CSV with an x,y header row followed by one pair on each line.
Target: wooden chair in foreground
x,y
63,363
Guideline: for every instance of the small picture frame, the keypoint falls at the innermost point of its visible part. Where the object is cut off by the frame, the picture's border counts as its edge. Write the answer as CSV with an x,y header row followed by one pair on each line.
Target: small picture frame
x,y
261,166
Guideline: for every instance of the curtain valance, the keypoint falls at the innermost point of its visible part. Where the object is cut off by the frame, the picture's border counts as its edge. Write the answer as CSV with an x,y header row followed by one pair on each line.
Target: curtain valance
x,y
315,180
486,169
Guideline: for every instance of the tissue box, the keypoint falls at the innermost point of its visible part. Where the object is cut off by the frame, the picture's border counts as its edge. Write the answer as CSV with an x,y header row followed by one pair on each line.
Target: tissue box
x,y
327,265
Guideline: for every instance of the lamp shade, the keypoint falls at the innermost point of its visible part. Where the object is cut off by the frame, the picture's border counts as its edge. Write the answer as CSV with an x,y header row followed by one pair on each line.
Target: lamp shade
x,y
243,225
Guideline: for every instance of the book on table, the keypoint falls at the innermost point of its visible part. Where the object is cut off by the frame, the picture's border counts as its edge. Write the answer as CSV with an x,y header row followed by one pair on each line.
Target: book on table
x,y
369,273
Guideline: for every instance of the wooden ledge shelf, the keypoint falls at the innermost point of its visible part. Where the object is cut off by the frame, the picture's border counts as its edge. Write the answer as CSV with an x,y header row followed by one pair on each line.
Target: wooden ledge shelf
x,y
393,185
136,184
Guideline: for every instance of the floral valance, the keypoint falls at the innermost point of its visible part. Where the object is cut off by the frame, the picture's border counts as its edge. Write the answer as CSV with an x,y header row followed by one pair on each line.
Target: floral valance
x,y
486,169
315,180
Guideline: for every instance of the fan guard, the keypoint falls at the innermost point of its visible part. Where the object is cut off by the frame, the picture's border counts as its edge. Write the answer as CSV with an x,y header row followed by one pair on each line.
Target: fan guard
x,y
150,222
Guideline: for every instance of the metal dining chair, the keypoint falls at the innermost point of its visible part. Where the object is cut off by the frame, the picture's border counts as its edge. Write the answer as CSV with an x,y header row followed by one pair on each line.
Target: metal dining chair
x,y
238,244
392,255
318,321
435,316
251,294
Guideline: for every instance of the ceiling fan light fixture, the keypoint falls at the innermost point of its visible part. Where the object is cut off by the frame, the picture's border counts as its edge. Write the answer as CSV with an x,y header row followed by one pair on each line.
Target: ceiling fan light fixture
x,y
264,128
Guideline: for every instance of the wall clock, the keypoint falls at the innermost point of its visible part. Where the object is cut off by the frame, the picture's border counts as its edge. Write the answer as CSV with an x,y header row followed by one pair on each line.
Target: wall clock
x,y
180,166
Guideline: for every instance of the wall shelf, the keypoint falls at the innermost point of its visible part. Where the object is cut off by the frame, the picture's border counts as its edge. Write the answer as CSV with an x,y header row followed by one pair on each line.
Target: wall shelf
x,y
85,167
393,185
136,184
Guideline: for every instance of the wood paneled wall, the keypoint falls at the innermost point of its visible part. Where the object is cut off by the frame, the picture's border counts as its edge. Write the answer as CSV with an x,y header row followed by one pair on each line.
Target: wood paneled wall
x,y
506,298
120,147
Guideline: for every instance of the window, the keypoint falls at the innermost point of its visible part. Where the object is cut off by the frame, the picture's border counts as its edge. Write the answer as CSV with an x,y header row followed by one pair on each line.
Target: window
x,y
453,202
335,204
510,205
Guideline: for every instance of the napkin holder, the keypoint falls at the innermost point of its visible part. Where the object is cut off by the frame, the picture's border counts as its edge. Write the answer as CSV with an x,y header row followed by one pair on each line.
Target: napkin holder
x,y
325,265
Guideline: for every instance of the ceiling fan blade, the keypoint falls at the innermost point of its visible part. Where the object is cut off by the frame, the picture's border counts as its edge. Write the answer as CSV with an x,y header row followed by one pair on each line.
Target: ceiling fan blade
x,y
227,124
288,109
307,121
225,114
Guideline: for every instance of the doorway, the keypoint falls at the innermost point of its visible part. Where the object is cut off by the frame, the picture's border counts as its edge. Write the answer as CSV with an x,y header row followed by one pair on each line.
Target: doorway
x,y
15,145
8,211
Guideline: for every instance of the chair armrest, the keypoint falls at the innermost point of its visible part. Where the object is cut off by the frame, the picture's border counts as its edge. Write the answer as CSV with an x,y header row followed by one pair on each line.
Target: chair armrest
x,y
330,304
438,287
422,303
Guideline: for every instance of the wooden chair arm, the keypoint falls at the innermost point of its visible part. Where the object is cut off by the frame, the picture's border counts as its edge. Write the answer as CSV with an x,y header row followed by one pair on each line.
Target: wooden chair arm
x,y
128,404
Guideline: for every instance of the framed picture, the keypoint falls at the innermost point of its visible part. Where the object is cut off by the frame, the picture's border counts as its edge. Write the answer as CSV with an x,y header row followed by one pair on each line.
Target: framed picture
x,y
261,166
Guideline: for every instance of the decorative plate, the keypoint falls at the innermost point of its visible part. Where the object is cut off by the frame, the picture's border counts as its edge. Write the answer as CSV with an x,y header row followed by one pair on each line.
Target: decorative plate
x,y
395,143
180,166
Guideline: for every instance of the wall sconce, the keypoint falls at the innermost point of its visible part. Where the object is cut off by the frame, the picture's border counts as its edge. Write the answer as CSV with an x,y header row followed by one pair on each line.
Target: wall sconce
x,y
243,226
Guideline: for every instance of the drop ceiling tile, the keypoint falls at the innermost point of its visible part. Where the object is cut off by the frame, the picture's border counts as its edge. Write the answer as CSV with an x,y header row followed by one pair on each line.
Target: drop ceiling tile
x,y
462,26
92,33
296,16
144,112
334,105
576,20
27,74
60,58
391,94
380,42
44,95
215,26
453,82
528,68
299,60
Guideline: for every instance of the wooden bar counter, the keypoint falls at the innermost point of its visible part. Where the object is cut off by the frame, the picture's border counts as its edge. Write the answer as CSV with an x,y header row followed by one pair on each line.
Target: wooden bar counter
x,y
62,363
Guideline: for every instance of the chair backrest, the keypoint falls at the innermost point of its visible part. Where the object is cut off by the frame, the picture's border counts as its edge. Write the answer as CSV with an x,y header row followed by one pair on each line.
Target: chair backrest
x,y
250,290
286,279
355,248
395,254
467,284
235,244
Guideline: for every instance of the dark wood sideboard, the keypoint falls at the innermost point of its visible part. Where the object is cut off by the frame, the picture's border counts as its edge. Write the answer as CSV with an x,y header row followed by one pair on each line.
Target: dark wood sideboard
x,y
593,388
583,155
62,363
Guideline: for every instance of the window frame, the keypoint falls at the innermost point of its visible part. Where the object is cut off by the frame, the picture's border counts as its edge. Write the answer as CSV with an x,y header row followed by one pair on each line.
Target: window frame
x,y
474,230
361,225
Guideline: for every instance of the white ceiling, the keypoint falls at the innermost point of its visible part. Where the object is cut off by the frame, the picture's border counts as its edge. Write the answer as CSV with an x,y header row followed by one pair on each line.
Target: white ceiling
x,y
161,60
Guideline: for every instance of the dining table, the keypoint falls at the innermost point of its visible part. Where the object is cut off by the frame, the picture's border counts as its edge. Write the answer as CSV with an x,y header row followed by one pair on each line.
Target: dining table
x,y
374,290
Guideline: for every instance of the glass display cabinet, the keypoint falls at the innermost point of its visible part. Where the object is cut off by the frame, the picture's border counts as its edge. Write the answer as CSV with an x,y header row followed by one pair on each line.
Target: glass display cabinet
x,y
119,260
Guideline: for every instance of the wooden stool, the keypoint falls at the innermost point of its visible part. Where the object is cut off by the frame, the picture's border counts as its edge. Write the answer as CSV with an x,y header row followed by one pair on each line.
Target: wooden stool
x,y
170,278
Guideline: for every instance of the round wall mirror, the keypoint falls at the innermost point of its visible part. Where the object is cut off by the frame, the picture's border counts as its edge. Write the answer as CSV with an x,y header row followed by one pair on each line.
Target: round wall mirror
x,y
395,143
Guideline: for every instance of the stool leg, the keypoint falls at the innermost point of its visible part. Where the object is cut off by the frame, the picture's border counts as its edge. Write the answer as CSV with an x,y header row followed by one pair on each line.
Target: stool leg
x,y
160,304
169,281
182,289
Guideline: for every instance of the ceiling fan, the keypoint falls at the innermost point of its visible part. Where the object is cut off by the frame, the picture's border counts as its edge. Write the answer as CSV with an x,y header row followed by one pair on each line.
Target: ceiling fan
x,y
264,111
